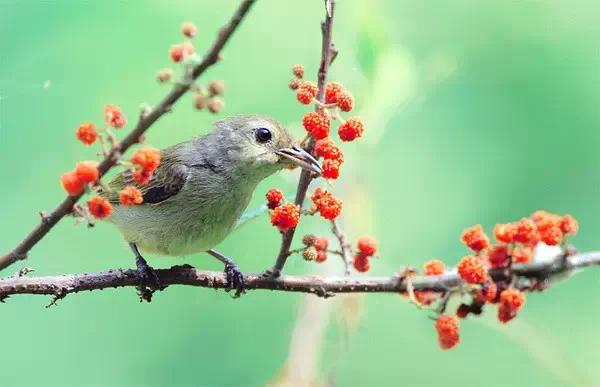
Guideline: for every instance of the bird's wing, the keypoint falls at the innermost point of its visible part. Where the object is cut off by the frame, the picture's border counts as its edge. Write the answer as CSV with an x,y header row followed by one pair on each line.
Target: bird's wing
x,y
166,182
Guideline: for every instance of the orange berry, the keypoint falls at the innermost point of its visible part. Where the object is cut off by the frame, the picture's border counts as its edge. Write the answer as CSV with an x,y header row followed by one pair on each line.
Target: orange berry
x,y
475,238
307,91
274,198
189,29
488,292
298,71
321,256
497,256
285,217
471,270
548,227
330,169
86,133
87,171
328,150
99,207
345,100
505,232
367,246
434,267
146,158
331,91
526,232
130,196
316,124
321,243
361,263
447,331
426,297
71,183
568,225
328,205
142,176
114,117
522,255
351,129
512,298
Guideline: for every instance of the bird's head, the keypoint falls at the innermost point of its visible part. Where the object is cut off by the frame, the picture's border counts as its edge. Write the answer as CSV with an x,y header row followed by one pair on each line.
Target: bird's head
x,y
261,144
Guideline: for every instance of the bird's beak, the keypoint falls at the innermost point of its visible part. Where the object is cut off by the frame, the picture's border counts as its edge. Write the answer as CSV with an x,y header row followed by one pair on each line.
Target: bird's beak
x,y
301,158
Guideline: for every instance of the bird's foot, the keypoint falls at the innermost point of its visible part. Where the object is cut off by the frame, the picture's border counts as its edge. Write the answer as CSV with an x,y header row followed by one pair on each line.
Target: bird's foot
x,y
234,280
147,275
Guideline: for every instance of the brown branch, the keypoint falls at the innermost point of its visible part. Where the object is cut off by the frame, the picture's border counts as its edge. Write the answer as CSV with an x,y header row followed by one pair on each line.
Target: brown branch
x,y
328,52
66,207
60,286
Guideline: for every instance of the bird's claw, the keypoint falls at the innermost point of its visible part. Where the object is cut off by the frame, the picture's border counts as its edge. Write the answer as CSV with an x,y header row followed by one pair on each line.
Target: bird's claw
x,y
148,277
234,280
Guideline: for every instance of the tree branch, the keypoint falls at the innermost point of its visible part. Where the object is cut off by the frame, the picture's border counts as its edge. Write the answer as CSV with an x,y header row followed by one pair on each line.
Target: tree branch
x,y
327,54
66,207
60,286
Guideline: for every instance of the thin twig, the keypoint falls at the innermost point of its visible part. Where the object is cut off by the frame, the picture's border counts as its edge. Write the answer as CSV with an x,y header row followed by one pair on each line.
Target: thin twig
x,y
61,286
145,121
345,248
306,176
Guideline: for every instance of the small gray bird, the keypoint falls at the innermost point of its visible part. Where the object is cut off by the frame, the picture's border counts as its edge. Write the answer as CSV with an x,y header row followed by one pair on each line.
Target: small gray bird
x,y
201,188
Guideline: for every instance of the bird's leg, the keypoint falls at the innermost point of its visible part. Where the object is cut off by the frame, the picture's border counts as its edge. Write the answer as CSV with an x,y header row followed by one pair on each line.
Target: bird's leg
x,y
233,275
146,274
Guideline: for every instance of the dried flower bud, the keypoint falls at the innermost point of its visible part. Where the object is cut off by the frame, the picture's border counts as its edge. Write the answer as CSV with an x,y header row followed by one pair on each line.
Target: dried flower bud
x,y
216,88
215,105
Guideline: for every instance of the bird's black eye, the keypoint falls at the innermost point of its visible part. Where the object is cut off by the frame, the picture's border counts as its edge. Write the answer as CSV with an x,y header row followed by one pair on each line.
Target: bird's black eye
x,y
262,135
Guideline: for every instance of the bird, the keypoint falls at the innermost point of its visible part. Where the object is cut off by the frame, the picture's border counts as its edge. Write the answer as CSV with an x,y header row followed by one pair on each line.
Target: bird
x,y
201,188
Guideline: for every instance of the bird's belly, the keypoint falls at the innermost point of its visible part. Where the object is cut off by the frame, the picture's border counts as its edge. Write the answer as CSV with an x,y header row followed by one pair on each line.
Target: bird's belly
x,y
165,231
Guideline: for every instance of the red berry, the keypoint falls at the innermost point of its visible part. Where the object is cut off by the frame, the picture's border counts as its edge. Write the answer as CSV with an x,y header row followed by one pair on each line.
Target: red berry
x,y
130,196
180,51
361,263
475,238
331,92
471,270
522,255
345,100
328,205
328,150
285,217
321,256
72,184
274,198
434,267
497,256
87,171
527,232
330,169
306,92
463,311
367,246
512,298
316,124
505,314
298,71
114,117
99,207
488,292
86,133
351,129
568,225
142,176
505,232
146,158
549,231
189,29
321,243
447,331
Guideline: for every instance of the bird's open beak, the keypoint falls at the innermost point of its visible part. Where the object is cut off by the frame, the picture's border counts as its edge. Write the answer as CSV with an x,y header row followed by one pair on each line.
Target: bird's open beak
x,y
301,158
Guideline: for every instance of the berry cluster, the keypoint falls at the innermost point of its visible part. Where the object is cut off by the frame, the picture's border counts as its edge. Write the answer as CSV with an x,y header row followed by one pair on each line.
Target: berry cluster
x,y
184,53
335,100
515,244
86,173
328,106
315,248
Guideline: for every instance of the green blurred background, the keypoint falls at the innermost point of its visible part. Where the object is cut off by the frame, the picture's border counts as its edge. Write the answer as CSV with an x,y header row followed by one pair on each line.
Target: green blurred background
x,y
476,112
